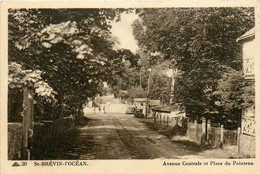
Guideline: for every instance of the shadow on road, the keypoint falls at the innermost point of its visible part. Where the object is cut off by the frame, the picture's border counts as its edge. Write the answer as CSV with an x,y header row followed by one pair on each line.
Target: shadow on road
x,y
168,133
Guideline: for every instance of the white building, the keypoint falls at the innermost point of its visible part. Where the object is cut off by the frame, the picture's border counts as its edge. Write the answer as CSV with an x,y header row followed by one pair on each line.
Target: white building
x,y
248,122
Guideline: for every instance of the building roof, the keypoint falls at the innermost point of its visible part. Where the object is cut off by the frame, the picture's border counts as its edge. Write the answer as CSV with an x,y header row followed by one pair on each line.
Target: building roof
x,y
154,102
166,109
248,34
140,99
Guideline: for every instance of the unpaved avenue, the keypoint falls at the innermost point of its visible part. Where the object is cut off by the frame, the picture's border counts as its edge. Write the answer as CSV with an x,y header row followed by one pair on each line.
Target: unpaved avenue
x,y
118,136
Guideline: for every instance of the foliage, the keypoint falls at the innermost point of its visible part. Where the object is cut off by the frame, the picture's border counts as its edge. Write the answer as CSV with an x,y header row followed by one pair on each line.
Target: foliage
x,y
233,94
134,78
70,49
200,43
137,92
19,78
123,95
160,84
122,72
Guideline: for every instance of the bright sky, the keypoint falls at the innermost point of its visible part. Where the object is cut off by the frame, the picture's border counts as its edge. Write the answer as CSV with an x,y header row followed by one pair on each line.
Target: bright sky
x,y
124,32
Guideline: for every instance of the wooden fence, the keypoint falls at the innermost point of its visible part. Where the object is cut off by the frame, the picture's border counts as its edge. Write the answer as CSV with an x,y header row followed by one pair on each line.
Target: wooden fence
x,y
195,132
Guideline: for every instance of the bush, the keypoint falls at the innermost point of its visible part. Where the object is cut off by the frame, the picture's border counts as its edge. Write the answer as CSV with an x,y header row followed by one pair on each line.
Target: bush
x,y
137,92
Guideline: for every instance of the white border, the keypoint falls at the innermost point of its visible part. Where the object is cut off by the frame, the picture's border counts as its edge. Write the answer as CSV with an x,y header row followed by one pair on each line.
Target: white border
x,y
119,166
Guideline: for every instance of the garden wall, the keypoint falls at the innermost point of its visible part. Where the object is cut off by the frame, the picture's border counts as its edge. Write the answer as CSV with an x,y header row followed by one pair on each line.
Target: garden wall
x,y
247,145
14,140
44,133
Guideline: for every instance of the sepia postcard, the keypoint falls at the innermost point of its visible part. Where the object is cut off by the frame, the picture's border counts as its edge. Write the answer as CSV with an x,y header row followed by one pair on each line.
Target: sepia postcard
x,y
130,87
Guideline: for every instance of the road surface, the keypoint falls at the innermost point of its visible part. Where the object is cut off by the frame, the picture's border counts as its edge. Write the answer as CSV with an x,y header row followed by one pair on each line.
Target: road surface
x,y
118,136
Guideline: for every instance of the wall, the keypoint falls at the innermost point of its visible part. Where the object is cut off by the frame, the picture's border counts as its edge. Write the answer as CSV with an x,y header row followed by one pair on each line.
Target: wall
x,y
14,140
247,136
214,137
194,132
45,132
249,56
247,145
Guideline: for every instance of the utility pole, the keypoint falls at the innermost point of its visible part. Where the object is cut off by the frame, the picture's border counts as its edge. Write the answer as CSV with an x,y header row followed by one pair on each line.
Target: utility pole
x,y
120,84
140,77
174,74
148,88
162,98
148,91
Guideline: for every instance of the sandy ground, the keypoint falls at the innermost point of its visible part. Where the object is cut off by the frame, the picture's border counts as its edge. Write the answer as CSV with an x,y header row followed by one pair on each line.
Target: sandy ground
x,y
116,135
119,136
111,105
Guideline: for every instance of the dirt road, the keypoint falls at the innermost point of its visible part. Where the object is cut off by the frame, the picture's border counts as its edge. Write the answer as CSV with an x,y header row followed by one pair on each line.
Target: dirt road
x,y
118,136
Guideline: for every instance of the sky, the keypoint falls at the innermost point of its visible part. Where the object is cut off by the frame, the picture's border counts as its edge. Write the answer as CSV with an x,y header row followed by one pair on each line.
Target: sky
x,y
124,32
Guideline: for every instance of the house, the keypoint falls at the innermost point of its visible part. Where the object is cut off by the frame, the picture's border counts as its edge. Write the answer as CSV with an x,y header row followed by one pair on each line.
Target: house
x,y
138,102
249,54
143,101
167,111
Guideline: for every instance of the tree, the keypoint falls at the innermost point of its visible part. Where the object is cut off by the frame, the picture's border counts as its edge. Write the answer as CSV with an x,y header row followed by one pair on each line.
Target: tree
x,y
233,94
71,48
122,69
200,43
137,92
160,84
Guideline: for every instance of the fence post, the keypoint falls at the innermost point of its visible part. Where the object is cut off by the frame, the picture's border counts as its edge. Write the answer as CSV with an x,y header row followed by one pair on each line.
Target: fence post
x,y
31,118
167,121
172,122
208,129
238,139
196,131
160,119
203,126
221,134
204,130
27,123
188,128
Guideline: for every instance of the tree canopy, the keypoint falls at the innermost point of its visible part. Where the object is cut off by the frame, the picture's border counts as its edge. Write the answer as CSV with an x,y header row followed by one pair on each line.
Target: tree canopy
x,y
70,50
200,44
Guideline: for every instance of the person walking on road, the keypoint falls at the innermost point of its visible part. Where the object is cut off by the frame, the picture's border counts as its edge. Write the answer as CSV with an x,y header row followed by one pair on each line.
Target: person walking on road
x,y
99,109
104,109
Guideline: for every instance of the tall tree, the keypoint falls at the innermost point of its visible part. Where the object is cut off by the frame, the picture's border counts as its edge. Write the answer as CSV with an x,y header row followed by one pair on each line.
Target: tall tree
x,y
71,48
200,43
